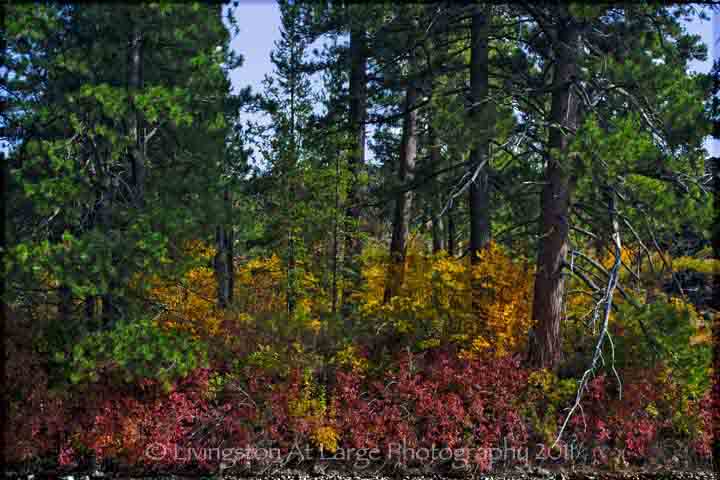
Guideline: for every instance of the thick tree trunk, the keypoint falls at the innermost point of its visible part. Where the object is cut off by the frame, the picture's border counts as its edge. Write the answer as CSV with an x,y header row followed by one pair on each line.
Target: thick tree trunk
x,y
481,121
356,160
404,198
544,346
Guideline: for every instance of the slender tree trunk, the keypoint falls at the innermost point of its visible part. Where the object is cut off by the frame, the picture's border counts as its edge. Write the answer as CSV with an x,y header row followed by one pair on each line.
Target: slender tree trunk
x,y
222,268
544,345
336,239
438,234
481,120
356,160
65,307
291,181
134,83
451,235
230,262
223,262
404,198
451,231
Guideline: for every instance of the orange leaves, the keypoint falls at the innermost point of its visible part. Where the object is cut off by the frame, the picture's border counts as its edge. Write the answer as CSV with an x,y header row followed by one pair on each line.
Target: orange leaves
x,y
190,304
442,299
505,303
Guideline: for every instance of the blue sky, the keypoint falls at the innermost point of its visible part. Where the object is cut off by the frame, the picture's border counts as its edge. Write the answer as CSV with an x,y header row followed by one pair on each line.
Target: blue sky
x,y
259,23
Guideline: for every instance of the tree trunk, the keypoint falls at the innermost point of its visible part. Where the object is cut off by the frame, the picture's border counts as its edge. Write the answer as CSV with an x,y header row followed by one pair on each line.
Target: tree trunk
x,y
223,262
451,233
356,160
65,305
481,121
544,345
451,243
438,235
222,266
404,198
134,84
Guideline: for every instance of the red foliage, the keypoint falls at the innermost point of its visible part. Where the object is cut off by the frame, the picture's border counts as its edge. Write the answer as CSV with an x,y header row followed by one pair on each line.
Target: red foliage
x,y
709,417
633,421
440,401
423,401
37,417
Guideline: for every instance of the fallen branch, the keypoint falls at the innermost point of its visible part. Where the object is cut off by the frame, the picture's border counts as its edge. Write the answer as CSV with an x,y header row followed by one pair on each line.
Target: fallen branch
x,y
607,300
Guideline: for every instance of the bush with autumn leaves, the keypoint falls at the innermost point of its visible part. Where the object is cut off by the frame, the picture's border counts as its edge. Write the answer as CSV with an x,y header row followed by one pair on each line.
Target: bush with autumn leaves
x,y
193,375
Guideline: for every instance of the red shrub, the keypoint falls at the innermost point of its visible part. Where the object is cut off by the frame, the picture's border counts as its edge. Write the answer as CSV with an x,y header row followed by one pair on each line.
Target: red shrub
x,y
440,401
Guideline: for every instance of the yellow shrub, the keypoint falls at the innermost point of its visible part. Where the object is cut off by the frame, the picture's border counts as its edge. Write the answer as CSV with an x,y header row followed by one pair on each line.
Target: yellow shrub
x,y
702,265
547,396
435,300
326,437
349,358
259,289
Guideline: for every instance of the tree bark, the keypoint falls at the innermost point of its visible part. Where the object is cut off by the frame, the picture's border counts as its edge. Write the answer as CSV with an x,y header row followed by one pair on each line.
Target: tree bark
x,y
223,261
544,344
451,231
356,160
222,266
404,198
481,121
451,244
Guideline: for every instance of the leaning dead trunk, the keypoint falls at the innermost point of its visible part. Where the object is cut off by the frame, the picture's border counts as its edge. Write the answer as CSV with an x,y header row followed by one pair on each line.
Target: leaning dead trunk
x,y
544,345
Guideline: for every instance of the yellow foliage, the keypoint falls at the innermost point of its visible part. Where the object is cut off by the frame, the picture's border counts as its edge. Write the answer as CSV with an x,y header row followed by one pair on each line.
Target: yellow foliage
x,y
191,304
311,401
547,396
702,265
626,257
436,298
505,304
260,286
326,437
348,357
259,289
